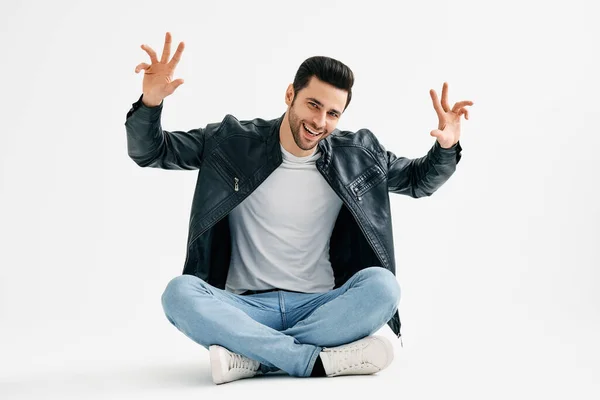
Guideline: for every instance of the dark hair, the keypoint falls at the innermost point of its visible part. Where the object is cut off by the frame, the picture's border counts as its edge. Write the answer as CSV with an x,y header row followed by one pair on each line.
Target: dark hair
x,y
327,70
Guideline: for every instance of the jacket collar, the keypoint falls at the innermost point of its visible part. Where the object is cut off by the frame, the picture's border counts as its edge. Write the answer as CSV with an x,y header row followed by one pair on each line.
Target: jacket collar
x,y
273,149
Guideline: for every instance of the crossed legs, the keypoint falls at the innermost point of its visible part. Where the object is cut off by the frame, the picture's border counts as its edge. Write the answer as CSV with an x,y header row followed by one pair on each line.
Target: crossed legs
x,y
282,330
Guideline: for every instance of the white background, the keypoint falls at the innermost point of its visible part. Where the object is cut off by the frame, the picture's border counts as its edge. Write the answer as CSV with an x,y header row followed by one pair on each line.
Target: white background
x,y
498,269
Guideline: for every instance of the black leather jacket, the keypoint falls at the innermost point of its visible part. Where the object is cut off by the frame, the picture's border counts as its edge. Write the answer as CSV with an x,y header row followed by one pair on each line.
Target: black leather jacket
x,y
233,157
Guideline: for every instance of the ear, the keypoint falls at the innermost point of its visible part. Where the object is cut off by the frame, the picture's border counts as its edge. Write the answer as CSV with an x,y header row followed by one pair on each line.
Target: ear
x,y
289,94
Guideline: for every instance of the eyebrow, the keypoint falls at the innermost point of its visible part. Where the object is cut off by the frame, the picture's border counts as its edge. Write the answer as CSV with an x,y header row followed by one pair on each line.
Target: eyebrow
x,y
321,104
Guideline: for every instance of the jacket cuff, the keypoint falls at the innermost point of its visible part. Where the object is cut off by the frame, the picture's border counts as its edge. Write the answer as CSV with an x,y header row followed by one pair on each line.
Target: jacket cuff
x,y
450,154
151,113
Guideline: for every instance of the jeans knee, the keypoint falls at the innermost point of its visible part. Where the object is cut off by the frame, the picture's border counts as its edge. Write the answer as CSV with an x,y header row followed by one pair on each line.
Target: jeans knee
x,y
176,291
385,285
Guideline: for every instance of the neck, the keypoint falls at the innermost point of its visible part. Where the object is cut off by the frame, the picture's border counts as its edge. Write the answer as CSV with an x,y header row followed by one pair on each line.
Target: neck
x,y
287,139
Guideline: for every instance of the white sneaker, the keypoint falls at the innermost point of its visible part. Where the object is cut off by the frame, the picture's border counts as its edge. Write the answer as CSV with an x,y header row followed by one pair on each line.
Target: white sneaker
x,y
362,357
227,366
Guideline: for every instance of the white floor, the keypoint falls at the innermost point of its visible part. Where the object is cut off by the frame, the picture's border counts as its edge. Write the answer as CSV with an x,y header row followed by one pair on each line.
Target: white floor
x,y
464,364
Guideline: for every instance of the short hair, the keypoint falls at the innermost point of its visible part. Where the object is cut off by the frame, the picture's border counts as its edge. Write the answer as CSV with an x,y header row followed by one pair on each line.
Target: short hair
x,y
327,70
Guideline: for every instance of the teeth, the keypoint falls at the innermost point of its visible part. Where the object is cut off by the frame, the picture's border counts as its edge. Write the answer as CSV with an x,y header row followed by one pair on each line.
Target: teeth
x,y
311,132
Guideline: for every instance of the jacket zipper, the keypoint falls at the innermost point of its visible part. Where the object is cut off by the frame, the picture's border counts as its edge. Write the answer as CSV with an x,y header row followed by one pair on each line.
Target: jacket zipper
x,y
357,195
359,225
236,188
364,185
222,163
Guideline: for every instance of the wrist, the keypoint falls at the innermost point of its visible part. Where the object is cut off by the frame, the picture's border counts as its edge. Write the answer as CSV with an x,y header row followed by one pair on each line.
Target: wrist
x,y
453,146
150,102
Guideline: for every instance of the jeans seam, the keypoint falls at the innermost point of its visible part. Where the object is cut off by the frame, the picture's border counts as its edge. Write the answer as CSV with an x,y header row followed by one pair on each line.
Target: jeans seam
x,y
312,360
282,307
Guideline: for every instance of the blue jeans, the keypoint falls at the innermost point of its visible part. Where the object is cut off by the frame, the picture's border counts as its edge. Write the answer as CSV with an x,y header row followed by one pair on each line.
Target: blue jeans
x,y
282,330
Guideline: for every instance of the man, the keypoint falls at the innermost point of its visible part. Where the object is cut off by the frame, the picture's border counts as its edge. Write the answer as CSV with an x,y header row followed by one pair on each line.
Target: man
x,y
290,262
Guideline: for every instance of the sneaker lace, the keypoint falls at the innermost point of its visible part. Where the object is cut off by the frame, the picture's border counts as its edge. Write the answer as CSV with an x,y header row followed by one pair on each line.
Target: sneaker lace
x,y
349,358
238,361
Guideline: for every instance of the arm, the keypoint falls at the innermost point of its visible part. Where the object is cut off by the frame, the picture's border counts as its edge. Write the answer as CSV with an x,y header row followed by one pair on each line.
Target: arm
x,y
147,143
421,177
151,146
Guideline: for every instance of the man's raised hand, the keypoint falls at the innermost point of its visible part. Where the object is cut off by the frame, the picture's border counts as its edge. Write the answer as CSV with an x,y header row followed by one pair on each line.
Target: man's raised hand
x,y
158,77
448,131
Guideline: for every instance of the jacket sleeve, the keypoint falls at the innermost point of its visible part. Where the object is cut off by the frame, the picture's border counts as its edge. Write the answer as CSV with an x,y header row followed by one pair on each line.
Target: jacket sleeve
x,y
421,177
151,146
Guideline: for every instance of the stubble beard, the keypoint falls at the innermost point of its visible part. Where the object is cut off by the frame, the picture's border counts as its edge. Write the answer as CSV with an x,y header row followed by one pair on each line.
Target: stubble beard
x,y
295,127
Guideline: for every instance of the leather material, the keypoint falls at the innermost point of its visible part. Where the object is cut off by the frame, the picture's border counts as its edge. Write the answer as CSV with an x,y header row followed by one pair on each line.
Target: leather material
x,y
234,157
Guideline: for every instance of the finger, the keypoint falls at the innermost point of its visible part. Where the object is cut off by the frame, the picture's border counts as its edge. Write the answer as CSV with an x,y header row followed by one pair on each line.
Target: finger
x,y
151,53
167,49
464,111
177,56
445,105
436,104
436,133
461,104
141,66
174,85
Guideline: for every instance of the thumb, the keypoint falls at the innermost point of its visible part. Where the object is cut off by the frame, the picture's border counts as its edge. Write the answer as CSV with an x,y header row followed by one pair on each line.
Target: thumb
x,y
175,84
436,133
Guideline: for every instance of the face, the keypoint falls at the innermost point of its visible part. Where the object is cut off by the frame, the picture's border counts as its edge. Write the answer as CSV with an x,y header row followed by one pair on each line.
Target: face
x,y
315,112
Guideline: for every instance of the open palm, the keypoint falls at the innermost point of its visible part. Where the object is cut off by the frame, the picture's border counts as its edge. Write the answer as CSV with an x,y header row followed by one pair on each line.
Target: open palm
x,y
158,77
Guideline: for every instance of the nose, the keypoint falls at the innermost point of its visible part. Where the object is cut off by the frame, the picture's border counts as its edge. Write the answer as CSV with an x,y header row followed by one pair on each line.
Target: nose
x,y
319,120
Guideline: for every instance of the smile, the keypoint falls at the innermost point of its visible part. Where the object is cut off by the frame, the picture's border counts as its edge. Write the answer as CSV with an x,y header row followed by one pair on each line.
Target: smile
x,y
313,133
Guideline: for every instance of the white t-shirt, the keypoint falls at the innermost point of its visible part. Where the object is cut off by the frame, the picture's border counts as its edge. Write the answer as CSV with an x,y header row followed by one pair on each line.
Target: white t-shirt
x,y
280,233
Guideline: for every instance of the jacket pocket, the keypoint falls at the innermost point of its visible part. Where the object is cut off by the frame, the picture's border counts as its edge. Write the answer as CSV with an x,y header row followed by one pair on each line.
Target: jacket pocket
x,y
230,174
367,180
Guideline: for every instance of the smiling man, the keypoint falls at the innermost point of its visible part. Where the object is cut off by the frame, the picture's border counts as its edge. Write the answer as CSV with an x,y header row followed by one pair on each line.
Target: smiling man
x,y
290,260
316,109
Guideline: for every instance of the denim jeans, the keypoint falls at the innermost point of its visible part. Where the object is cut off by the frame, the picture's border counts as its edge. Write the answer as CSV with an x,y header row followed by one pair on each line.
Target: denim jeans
x,y
282,330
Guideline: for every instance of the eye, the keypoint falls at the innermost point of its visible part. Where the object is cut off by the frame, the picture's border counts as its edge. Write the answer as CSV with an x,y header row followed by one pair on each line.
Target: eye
x,y
333,114
312,104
